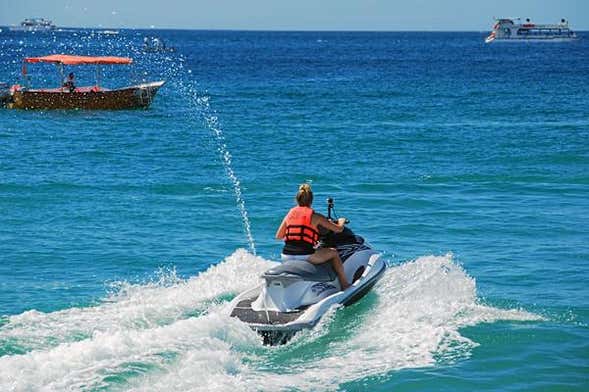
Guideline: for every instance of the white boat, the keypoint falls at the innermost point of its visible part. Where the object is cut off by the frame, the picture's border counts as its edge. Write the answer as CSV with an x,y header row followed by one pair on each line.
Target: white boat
x,y
511,29
34,24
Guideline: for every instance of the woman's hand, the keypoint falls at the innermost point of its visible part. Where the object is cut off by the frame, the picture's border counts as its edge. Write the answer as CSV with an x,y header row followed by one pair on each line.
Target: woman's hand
x,y
320,220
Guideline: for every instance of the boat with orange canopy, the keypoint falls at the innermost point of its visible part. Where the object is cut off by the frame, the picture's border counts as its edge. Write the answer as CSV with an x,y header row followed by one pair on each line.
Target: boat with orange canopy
x,y
88,97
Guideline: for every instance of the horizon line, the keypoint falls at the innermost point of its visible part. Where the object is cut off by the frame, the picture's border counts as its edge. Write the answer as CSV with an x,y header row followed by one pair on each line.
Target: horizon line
x,y
62,28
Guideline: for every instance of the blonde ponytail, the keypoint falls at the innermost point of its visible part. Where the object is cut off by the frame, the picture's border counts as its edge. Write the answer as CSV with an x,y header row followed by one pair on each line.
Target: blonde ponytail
x,y
304,195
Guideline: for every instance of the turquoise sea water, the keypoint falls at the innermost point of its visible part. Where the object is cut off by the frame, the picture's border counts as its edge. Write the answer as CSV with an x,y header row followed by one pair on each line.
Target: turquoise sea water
x,y
123,235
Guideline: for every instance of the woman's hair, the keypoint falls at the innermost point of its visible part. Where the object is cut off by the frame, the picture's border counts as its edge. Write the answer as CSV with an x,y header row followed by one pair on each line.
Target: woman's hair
x,y
304,195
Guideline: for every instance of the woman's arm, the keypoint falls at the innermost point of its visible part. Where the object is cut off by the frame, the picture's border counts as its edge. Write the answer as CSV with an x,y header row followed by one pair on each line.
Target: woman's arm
x,y
281,232
320,220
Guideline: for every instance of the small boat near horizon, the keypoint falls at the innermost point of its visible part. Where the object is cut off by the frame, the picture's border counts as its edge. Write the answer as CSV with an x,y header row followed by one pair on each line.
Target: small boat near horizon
x,y
155,44
69,96
108,32
510,29
34,24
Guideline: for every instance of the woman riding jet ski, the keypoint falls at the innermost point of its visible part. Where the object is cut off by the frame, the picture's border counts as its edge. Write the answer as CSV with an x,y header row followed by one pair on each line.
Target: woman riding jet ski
x,y
295,294
300,231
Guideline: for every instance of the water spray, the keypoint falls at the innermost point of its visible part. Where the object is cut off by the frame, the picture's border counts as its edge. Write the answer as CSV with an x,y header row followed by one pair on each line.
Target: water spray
x,y
212,123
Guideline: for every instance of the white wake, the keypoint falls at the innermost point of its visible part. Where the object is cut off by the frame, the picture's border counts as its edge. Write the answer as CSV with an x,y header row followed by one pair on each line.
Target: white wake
x,y
176,334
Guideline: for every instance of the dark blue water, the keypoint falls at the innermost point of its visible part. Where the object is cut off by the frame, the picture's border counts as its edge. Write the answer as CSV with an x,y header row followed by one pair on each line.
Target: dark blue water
x,y
124,234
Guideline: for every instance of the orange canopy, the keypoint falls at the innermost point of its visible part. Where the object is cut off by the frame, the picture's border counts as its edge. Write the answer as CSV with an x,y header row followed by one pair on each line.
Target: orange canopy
x,y
78,60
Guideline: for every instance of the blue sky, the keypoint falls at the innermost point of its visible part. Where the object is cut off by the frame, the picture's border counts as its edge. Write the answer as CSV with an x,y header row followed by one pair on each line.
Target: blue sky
x,y
384,15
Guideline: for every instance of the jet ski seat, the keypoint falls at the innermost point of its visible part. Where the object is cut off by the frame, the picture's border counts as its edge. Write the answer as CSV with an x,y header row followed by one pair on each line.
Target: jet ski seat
x,y
300,269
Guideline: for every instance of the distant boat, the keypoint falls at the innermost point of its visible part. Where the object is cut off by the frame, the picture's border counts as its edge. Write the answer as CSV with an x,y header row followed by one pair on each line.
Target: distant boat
x,y
69,96
510,29
156,44
34,24
108,32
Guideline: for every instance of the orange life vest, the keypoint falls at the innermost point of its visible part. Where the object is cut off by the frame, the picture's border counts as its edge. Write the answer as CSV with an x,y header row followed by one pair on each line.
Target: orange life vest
x,y
299,227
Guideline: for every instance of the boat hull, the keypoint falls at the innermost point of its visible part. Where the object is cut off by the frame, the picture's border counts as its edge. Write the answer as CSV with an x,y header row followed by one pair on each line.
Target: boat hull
x,y
135,97
488,40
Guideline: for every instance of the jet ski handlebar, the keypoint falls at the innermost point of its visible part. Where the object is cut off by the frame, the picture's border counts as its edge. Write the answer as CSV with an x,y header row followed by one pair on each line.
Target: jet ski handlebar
x,y
331,215
332,239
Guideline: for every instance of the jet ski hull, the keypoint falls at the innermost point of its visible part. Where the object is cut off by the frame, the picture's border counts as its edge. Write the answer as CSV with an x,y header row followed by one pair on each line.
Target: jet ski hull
x,y
277,327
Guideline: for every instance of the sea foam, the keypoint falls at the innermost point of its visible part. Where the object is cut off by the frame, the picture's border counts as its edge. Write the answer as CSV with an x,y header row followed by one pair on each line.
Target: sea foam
x,y
176,334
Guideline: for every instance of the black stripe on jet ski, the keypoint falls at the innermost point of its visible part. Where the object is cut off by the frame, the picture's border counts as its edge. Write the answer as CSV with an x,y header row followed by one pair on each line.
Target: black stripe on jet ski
x,y
345,251
361,292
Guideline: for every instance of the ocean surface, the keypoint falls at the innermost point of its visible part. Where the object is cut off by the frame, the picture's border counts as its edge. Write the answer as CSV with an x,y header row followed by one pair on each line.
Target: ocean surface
x,y
124,235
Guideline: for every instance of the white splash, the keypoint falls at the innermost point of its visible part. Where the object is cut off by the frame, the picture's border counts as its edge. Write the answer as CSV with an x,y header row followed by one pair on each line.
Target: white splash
x,y
136,306
176,335
212,122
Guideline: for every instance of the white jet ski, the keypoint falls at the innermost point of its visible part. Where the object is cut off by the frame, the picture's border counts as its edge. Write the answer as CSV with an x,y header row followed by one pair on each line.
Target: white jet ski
x,y
296,294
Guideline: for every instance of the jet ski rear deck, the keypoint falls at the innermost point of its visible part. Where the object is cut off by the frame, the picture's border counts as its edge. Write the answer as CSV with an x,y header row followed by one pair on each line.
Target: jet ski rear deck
x,y
243,311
